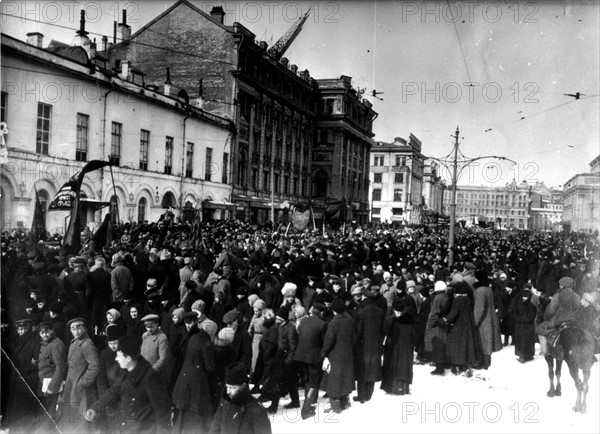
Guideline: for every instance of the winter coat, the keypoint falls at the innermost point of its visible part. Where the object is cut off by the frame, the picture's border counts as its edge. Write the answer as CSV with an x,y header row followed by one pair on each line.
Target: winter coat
x,y
400,340
311,332
564,306
192,389
110,371
83,369
144,405
52,363
121,281
524,313
369,332
26,348
337,347
436,334
243,415
463,347
155,349
486,320
279,382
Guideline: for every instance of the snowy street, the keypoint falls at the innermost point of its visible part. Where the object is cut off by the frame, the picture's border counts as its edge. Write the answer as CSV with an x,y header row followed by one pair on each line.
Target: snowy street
x,y
509,397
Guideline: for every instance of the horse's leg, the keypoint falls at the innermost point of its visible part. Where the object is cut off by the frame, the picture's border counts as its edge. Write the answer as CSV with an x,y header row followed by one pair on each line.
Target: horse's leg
x,y
584,389
574,370
550,362
557,371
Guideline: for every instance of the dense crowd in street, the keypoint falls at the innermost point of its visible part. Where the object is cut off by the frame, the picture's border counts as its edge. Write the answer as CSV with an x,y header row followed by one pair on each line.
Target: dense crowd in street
x,y
205,327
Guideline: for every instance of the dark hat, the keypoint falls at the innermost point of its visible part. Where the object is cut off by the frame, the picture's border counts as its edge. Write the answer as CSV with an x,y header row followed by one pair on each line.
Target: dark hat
x,y
55,307
153,295
151,317
230,316
312,278
482,277
235,374
283,312
190,284
338,306
166,296
23,322
128,295
130,345
369,292
112,333
190,316
45,325
77,320
319,306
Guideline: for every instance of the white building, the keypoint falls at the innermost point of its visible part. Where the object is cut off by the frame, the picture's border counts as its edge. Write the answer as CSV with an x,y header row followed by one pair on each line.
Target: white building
x,y
63,108
581,200
396,176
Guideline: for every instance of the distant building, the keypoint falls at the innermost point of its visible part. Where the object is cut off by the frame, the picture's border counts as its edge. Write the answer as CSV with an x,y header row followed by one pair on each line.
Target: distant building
x,y
546,205
397,171
65,107
274,105
581,200
507,207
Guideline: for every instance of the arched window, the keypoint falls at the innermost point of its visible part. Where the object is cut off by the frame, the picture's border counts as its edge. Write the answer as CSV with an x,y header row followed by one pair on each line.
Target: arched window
x,y
114,209
43,196
168,200
142,210
321,181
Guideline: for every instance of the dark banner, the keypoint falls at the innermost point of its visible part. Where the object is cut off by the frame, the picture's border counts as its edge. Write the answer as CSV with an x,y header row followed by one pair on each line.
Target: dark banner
x,y
63,200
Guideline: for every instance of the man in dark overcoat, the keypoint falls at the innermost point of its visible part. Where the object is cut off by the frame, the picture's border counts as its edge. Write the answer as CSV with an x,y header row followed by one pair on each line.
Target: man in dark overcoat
x,y
436,333
486,319
368,328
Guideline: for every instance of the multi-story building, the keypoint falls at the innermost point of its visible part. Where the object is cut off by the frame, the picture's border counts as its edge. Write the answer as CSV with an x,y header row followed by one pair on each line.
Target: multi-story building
x,y
433,188
507,207
64,106
545,212
274,105
341,152
396,176
580,200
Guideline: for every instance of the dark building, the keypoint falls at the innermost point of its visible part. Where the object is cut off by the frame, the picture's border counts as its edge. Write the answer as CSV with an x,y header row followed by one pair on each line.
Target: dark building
x,y
275,107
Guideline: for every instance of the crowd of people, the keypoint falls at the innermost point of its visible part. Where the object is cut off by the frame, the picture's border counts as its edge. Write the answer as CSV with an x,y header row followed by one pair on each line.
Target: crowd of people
x,y
205,327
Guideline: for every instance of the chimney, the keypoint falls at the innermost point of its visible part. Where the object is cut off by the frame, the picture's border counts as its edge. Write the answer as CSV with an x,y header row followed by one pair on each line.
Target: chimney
x,y
218,14
124,29
125,69
104,43
35,39
167,87
284,61
81,30
294,68
305,75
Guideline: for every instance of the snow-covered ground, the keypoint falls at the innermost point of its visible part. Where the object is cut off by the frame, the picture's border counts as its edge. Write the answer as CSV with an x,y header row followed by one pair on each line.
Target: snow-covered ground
x,y
509,397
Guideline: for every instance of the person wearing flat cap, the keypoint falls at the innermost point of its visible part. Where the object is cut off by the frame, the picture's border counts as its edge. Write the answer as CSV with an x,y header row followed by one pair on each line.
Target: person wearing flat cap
x,y
144,404
242,343
564,306
80,386
52,367
238,410
155,347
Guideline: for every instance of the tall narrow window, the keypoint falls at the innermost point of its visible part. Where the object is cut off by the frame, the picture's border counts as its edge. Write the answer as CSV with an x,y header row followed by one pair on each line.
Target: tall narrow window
x,y
115,142
397,195
225,168
44,118
81,150
189,160
208,165
168,155
144,146
142,210
3,107
377,194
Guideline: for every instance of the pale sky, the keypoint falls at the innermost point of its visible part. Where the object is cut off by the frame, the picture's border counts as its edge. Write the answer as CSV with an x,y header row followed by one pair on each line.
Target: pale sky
x,y
520,57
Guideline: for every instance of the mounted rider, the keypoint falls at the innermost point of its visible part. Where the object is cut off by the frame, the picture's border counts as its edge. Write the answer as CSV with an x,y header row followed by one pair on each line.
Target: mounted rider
x,y
564,307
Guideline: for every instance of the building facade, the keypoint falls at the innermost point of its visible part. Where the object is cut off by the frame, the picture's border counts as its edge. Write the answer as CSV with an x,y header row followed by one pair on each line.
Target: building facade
x,y
64,106
545,212
396,174
506,207
274,105
433,188
581,200
340,167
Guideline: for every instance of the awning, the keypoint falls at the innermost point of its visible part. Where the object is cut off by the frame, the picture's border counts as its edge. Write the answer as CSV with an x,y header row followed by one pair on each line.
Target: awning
x,y
93,203
217,204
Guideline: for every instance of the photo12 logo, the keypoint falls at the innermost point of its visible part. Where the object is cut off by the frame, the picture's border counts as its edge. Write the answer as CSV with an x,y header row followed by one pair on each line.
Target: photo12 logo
x,y
52,12
463,12
272,11
453,92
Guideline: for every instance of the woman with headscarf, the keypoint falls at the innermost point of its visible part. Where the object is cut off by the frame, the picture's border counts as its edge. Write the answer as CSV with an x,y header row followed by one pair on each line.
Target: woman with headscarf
x,y
255,329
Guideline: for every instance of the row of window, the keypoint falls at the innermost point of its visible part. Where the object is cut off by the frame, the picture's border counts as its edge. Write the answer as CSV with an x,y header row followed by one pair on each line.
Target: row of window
x,y
397,194
44,122
379,160
398,178
395,211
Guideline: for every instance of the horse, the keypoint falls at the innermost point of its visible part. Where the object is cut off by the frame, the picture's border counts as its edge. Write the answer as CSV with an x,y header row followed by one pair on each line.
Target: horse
x,y
576,347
